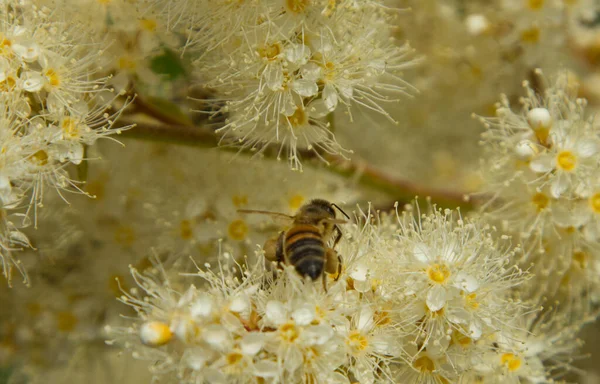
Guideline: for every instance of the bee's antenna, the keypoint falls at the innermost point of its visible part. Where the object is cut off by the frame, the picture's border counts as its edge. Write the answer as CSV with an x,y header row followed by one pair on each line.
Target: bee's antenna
x,y
341,210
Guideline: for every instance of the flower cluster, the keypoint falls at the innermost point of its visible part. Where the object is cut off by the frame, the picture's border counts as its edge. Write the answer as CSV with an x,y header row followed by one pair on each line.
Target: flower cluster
x,y
421,298
543,179
53,104
281,67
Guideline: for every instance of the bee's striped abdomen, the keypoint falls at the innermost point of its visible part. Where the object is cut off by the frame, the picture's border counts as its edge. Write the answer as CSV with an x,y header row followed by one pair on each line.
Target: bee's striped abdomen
x,y
304,249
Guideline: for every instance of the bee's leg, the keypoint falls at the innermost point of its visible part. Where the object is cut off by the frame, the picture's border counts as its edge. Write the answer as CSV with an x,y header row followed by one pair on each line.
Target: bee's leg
x,y
274,248
333,263
338,237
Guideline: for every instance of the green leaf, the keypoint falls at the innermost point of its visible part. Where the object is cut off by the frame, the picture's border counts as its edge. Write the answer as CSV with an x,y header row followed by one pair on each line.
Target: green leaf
x,y
168,109
169,64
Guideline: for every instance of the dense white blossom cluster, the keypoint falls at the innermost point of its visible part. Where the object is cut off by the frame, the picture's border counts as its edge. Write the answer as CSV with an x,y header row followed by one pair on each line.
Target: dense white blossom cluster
x,y
281,67
421,298
543,175
54,103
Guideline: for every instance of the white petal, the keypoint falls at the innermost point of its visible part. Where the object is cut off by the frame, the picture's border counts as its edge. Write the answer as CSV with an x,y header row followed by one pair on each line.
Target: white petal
x,y
275,312
466,282
304,315
539,118
292,360
586,148
365,319
330,97
475,330
543,164
436,298
359,272
217,336
265,368
318,334
196,358
311,71
318,109
273,77
240,304
421,252
32,81
559,186
305,88
28,52
297,54
252,343
202,307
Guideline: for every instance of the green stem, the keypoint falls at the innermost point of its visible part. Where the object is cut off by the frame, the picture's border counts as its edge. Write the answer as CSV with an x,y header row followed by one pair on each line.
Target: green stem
x,y
402,191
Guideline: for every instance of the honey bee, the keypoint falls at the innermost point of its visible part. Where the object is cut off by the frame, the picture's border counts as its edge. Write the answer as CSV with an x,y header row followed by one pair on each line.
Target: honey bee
x,y
305,244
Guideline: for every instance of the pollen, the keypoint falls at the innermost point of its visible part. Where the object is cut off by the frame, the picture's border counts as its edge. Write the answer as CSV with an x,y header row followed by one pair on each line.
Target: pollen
x,y
295,202
438,273
288,332
595,202
185,230
297,6
357,341
566,161
66,321
238,230
511,361
535,4
155,333
540,201
8,84
424,364
53,78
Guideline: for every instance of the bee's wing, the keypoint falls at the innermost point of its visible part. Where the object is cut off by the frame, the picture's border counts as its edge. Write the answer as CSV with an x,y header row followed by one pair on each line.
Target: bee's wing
x,y
278,217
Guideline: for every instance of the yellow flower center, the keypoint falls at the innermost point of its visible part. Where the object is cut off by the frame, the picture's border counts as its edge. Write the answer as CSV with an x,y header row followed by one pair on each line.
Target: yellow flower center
x,y
238,230
595,202
69,127
471,301
289,332
541,201
511,361
270,52
40,157
438,273
535,4
52,77
424,364
234,358
566,161
298,119
357,341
